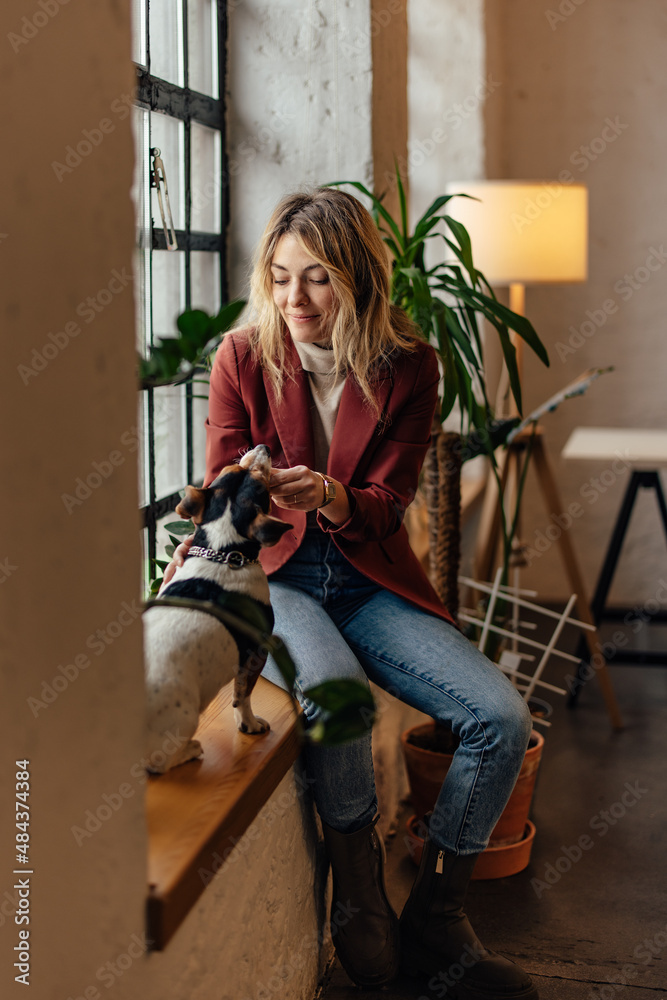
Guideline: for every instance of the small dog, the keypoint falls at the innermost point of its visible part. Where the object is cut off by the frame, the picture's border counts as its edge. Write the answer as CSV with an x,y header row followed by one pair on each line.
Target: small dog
x,y
190,654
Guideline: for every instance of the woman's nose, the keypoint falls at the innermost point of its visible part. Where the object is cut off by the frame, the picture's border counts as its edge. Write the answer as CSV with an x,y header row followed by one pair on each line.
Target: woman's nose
x,y
297,293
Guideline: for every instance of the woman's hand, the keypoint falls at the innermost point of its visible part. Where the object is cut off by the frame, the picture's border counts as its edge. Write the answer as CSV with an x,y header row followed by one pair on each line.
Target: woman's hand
x,y
178,558
300,488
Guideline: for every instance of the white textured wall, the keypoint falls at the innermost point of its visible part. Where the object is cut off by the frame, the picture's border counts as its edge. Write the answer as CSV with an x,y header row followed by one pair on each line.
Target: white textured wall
x,y
300,108
448,86
564,80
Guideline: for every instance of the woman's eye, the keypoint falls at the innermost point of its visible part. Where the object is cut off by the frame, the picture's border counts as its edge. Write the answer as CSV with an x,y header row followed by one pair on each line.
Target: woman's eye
x,y
277,281
324,281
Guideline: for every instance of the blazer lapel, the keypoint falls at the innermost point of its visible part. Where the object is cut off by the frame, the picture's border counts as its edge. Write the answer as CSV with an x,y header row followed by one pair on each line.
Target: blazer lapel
x,y
355,427
292,414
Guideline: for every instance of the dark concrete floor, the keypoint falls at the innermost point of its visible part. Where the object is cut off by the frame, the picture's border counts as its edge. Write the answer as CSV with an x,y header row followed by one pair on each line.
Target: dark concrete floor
x,y
599,932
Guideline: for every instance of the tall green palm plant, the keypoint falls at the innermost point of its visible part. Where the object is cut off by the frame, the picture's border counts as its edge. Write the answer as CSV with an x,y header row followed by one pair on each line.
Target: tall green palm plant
x,y
447,301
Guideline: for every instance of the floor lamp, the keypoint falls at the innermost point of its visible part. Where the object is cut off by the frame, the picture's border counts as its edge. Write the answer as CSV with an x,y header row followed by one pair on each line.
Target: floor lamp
x,y
527,233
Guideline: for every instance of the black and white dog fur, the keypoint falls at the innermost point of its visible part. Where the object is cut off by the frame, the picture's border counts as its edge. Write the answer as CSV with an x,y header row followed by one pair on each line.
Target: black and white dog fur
x,y
189,654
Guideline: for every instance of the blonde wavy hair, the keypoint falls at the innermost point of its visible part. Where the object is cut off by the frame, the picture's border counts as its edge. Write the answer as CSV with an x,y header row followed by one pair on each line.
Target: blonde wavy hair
x,y
366,329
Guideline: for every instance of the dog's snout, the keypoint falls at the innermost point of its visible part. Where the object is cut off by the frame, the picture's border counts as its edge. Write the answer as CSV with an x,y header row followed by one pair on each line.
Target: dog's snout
x,y
259,458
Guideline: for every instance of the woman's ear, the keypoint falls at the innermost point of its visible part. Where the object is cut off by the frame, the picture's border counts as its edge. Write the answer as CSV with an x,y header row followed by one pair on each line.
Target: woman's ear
x,y
193,503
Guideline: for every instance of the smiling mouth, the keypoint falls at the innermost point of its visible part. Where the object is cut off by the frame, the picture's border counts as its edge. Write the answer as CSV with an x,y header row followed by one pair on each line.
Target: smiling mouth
x,y
302,319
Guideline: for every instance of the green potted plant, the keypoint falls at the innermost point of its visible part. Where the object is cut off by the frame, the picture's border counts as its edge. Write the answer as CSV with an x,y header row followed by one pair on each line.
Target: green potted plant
x,y
447,301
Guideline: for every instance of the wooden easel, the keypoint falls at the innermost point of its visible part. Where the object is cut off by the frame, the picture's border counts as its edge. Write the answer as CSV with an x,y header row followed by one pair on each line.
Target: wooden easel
x,y
511,464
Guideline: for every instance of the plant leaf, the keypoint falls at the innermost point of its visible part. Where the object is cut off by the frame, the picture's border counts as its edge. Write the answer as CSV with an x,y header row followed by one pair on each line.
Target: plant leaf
x,y
179,527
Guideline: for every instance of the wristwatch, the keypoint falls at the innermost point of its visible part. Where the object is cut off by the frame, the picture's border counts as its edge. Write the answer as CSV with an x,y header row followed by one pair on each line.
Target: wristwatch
x,y
329,491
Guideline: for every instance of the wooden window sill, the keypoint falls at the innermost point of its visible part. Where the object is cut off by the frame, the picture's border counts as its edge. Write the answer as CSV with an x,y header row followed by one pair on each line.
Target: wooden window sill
x,y
195,810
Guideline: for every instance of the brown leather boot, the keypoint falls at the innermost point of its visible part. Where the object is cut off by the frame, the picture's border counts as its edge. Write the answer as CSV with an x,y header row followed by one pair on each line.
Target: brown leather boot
x,y
364,927
438,943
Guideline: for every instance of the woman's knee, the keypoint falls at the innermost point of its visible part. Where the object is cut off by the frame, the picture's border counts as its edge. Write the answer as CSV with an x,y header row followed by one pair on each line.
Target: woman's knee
x,y
502,721
512,723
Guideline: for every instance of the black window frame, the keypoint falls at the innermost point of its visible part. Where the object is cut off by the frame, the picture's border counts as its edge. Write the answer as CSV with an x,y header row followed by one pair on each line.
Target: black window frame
x,y
186,105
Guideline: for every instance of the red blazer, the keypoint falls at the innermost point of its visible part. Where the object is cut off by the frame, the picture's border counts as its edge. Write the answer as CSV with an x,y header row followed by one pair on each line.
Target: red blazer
x,y
379,466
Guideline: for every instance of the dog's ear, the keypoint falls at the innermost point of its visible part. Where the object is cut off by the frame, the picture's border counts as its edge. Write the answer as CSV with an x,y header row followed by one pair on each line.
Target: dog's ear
x,y
193,503
268,530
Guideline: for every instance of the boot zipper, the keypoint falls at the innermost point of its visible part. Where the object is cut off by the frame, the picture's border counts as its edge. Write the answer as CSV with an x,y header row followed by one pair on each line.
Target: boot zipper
x,y
439,863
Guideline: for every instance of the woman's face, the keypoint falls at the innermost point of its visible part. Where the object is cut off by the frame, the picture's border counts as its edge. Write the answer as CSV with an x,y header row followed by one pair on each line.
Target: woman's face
x,y
302,292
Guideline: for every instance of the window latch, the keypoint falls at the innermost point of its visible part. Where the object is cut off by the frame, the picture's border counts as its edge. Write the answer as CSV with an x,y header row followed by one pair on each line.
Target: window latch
x,y
159,181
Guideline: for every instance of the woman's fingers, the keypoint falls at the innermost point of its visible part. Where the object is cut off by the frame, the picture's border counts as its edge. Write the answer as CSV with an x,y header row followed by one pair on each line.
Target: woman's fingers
x,y
178,558
299,488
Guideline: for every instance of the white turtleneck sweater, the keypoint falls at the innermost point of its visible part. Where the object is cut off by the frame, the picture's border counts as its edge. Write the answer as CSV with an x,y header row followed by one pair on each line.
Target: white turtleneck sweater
x,y
325,390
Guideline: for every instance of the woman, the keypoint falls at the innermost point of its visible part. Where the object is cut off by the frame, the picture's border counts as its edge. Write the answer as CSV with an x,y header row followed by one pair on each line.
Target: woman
x,y
335,381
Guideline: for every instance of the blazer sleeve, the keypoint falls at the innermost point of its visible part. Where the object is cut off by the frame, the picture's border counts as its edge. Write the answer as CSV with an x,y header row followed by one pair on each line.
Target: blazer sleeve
x,y
390,479
228,421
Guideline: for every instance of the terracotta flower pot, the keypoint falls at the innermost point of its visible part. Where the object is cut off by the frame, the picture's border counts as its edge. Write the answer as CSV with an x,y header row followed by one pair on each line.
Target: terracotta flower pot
x,y
497,861
428,759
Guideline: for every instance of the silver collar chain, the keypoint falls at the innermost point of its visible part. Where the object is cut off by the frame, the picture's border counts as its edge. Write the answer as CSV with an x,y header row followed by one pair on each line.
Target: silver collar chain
x,y
234,559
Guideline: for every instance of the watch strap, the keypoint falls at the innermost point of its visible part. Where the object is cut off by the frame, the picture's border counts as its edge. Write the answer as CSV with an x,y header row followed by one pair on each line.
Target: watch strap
x,y
329,490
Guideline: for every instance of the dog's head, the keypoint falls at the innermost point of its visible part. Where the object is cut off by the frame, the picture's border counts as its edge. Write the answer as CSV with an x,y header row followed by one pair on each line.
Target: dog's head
x,y
236,505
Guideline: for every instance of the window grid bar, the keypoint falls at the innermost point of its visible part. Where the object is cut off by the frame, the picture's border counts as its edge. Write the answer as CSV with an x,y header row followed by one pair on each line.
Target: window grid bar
x,y
179,102
211,242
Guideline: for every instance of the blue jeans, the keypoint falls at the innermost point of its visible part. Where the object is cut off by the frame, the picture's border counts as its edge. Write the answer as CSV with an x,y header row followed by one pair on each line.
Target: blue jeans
x,y
337,623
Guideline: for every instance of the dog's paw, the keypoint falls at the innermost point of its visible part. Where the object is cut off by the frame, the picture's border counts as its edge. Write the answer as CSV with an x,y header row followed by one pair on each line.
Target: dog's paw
x,y
246,722
191,751
160,762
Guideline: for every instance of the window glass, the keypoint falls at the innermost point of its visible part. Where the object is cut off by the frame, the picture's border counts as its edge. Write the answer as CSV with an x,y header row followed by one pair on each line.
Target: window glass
x,y
169,439
205,285
205,281
168,291
142,457
203,47
166,44
206,180
141,199
167,135
139,32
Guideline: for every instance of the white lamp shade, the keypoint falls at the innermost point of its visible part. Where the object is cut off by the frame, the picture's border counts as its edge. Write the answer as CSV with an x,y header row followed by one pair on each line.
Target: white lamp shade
x,y
527,232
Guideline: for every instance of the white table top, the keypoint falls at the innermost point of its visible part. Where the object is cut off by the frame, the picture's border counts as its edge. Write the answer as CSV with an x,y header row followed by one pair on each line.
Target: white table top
x,y
635,445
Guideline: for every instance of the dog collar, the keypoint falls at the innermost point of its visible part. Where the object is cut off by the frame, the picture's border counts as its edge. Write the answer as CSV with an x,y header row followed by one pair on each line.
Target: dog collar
x,y
233,559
